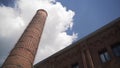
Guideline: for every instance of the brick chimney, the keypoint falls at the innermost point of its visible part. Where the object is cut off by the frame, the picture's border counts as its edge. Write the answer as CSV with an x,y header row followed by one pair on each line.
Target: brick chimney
x,y
23,54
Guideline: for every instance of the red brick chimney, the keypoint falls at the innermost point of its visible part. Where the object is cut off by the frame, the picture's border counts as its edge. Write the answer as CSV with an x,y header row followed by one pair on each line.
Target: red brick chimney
x,y
23,54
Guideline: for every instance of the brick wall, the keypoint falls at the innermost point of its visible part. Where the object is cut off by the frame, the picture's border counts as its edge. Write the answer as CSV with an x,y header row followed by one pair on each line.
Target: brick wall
x,y
85,52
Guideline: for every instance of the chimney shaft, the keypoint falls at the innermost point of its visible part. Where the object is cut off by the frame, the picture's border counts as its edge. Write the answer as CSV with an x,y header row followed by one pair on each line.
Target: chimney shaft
x,y
23,54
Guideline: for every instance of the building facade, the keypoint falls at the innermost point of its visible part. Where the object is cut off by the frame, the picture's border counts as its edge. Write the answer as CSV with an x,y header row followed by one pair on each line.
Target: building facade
x,y
100,49
23,54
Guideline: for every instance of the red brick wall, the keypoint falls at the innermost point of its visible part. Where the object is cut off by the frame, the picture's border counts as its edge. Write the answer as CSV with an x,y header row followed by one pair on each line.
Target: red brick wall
x,y
105,39
85,52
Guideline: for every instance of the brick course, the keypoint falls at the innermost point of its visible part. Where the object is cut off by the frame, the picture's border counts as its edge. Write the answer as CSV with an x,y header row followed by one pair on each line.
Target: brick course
x,y
23,54
85,52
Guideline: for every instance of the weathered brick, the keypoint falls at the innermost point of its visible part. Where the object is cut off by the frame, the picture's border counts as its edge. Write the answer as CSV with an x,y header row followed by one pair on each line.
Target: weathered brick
x,y
23,54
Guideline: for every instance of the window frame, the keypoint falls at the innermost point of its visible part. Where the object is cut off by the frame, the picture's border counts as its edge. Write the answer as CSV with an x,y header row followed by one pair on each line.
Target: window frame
x,y
104,56
75,65
116,49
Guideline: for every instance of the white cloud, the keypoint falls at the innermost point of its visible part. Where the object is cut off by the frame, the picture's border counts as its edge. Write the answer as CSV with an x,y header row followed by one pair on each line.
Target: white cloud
x,y
13,21
9,21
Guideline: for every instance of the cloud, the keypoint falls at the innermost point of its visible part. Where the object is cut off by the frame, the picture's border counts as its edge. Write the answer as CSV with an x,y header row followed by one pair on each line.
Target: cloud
x,y
13,21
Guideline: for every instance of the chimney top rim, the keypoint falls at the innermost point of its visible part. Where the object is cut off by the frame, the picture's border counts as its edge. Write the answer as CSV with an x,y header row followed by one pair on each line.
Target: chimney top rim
x,y
42,11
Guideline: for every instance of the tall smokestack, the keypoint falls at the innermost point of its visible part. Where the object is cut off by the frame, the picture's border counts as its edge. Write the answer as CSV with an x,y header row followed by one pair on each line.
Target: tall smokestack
x,y
23,54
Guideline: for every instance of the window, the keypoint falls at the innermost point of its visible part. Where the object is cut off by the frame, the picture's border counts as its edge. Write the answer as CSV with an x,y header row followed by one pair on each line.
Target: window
x,y
76,65
104,56
116,49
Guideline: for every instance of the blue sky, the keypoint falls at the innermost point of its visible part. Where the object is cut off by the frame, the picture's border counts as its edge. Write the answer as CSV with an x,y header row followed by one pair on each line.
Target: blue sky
x,y
90,15
7,2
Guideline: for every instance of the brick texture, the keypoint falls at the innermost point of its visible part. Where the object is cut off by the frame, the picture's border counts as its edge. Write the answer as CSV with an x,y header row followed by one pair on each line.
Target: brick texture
x,y
85,52
23,54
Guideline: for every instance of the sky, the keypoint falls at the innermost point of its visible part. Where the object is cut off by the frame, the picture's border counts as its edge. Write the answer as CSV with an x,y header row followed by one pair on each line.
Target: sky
x,y
90,15
67,22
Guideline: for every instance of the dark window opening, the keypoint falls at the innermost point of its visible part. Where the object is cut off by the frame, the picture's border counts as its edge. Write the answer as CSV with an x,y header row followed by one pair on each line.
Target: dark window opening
x,y
76,65
104,56
116,49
